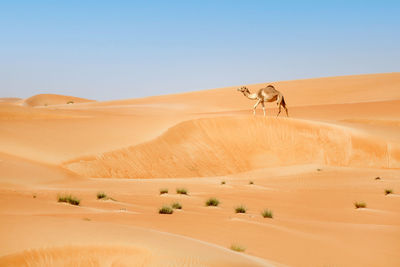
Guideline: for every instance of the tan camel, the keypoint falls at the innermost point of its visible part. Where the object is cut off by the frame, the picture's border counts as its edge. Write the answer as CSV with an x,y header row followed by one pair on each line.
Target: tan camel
x,y
266,94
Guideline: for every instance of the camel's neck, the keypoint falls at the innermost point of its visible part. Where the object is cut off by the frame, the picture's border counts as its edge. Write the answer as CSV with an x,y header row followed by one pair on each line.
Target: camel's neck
x,y
250,96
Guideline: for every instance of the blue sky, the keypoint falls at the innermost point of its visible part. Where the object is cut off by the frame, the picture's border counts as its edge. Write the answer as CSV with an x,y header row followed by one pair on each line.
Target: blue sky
x,y
125,49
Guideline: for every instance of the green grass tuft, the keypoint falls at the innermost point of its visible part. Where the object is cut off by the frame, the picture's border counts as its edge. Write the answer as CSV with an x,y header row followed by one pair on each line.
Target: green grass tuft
x,y
267,213
101,195
176,205
212,202
240,209
163,191
238,248
181,191
388,191
165,210
69,199
360,205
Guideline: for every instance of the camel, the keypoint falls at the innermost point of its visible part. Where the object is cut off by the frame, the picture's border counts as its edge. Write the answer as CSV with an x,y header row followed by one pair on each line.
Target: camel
x,y
266,94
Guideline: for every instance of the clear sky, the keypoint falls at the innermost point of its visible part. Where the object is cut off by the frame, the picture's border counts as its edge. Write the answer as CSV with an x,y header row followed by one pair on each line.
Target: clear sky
x,y
125,49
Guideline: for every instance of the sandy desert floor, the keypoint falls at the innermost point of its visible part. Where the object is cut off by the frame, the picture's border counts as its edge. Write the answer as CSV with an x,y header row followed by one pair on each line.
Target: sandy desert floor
x,y
340,145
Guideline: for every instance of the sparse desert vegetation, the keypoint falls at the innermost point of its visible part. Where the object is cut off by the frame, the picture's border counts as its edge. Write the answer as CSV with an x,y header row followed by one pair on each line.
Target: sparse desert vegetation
x,y
223,182
69,199
388,191
359,205
238,248
104,196
267,213
101,195
163,191
176,205
212,202
165,210
70,102
377,178
182,191
251,182
240,209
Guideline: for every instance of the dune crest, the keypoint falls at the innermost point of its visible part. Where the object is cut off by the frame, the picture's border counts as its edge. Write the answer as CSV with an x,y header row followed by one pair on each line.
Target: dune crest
x,y
53,99
227,145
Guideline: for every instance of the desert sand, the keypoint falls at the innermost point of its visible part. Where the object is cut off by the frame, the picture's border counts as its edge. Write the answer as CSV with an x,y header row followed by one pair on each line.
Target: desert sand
x,y
340,145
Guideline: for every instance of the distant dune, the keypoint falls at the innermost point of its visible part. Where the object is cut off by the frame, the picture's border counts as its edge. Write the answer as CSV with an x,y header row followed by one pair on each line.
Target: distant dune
x,y
52,99
307,92
9,99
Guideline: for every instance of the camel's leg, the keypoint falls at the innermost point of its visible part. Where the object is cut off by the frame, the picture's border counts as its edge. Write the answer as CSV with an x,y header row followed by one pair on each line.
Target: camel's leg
x,y
287,112
279,110
255,106
263,105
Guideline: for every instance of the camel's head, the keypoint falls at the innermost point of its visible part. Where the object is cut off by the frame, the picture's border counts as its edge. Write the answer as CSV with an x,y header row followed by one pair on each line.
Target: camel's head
x,y
244,90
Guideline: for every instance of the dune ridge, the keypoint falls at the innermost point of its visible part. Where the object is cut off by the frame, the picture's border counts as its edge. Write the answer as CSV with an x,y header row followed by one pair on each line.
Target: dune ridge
x,y
227,145
53,99
304,92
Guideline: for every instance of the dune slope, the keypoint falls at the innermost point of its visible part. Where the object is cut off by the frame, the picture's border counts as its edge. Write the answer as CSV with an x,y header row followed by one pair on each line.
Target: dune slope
x,y
226,145
53,99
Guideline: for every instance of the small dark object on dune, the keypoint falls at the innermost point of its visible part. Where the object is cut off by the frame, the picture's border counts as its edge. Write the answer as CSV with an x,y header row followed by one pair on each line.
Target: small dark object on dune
x,y
212,202
267,213
238,248
360,205
165,210
163,191
69,199
388,191
101,195
176,205
240,209
181,191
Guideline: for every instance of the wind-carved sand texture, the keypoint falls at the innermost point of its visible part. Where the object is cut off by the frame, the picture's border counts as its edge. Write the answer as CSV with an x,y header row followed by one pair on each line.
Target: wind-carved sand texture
x,y
227,145
339,147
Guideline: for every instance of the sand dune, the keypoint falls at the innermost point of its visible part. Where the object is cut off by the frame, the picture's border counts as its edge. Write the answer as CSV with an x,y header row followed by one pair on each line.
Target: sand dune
x,y
321,91
115,256
52,99
9,99
341,145
226,145
122,246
